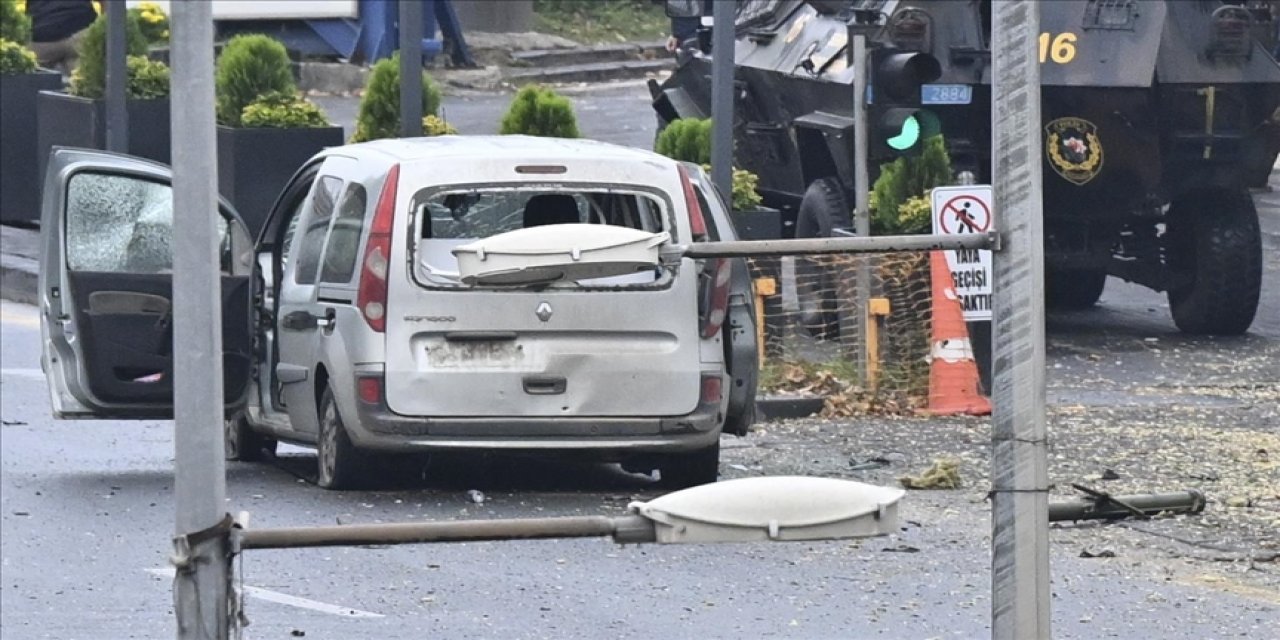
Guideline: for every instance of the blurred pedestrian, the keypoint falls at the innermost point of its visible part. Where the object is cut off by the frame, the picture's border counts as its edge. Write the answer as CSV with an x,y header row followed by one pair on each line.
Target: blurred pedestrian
x,y
56,29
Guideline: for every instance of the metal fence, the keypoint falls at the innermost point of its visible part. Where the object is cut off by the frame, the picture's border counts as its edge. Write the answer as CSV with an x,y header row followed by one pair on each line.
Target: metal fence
x,y
813,342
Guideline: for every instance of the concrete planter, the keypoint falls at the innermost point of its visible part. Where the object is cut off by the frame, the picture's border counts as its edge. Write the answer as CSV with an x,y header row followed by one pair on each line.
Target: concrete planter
x,y
71,121
19,170
255,163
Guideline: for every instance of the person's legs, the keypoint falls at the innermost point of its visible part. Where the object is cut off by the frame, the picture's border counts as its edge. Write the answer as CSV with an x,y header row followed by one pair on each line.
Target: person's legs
x,y
60,54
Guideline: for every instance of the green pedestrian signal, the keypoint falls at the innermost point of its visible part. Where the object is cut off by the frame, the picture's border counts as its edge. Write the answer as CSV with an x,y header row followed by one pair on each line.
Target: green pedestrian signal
x,y
906,138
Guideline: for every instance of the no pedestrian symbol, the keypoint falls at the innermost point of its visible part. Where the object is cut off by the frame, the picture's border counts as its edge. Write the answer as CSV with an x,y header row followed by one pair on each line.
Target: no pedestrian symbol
x,y
964,214
964,210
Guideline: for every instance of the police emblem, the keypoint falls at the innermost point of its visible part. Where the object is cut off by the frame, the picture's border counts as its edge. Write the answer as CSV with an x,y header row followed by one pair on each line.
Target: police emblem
x,y
1074,149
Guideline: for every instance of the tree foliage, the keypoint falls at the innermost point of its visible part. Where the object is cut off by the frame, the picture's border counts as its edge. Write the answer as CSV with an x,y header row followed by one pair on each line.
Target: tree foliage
x,y
282,110
15,25
15,59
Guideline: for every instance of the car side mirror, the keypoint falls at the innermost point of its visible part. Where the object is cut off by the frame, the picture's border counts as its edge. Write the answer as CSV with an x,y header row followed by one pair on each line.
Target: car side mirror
x,y
683,8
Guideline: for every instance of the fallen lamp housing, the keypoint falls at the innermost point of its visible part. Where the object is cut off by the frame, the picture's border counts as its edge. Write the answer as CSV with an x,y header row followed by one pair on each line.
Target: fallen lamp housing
x,y
786,508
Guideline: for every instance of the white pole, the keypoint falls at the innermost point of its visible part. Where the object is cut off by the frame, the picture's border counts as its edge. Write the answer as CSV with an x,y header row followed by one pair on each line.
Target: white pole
x,y
1019,476
201,582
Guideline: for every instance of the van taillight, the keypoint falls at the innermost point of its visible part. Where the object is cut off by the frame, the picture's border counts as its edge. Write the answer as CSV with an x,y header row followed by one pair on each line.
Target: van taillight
x,y
712,387
717,297
371,298
697,223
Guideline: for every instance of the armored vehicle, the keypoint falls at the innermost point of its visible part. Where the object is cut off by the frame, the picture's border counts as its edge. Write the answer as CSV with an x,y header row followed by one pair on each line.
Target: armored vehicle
x,y
1158,117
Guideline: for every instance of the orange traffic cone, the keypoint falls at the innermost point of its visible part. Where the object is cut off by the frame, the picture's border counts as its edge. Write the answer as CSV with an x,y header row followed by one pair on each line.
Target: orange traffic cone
x,y
953,373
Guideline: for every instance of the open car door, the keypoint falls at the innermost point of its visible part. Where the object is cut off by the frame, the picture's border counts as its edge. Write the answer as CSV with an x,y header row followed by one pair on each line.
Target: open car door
x,y
106,279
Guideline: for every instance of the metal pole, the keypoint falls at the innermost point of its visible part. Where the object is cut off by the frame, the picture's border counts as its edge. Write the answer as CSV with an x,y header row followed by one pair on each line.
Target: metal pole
x,y
722,54
861,197
201,581
861,169
410,68
631,529
117,138
849,244
1019,477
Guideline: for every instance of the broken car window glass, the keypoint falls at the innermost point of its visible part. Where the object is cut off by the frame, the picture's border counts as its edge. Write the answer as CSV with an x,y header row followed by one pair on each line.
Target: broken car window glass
x,y
123,224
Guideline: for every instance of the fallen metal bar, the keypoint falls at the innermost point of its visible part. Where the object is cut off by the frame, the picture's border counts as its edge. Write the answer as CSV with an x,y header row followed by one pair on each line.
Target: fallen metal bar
x,y
624,530
1189,501
867,244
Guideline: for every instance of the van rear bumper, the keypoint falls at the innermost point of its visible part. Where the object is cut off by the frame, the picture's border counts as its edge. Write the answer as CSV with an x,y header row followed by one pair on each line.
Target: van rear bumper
x,y
380,429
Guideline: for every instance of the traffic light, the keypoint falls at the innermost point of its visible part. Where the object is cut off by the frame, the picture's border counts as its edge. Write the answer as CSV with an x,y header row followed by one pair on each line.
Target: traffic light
x,y
899,124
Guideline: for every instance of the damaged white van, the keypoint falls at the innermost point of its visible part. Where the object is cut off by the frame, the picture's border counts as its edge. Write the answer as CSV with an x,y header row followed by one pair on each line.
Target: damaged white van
x,y
415,295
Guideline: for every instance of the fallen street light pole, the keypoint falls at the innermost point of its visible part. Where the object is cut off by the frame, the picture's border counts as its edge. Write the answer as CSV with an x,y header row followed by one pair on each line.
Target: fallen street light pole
x,y
770,508
1103,506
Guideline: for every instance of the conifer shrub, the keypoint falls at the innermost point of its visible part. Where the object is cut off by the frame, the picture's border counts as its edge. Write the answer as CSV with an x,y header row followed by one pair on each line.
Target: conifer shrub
x,y
90,77
689,140
904,179
540,111
379,114
251,65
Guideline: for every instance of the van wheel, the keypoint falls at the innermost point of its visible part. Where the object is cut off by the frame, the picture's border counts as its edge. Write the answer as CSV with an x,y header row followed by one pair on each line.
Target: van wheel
x,y
240,442
339,464
681,470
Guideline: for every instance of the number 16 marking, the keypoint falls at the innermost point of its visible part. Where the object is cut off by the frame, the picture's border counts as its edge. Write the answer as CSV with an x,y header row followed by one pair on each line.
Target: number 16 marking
x,y
1061,48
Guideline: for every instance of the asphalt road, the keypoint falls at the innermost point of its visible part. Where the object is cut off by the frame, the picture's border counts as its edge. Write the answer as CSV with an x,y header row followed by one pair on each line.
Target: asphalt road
x,y
86,508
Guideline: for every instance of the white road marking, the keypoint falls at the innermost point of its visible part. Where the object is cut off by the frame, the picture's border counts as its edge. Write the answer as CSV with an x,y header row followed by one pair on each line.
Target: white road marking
x,y
23,373
286,599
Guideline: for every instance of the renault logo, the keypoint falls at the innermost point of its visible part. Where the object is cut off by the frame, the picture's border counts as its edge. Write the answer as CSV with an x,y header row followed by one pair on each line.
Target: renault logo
x,y
543,311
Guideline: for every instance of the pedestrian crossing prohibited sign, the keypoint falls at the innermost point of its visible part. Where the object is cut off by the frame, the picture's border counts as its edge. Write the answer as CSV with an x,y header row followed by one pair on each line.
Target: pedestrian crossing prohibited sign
x,y
964,210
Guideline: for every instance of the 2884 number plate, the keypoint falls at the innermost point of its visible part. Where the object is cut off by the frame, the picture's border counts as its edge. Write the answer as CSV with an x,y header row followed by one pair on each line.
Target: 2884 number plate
x,y
946,94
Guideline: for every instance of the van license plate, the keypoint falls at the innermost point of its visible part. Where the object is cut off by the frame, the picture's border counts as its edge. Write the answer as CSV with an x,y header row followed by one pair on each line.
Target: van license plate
x,y
946,94
474,354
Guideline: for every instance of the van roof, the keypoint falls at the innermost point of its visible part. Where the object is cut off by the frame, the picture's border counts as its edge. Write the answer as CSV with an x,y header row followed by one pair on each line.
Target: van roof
x,y
513,147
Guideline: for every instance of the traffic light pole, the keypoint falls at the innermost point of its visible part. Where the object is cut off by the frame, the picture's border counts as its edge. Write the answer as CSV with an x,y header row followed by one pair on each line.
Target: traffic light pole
x,y
411,69
1019,461
722,55
202,565
861,196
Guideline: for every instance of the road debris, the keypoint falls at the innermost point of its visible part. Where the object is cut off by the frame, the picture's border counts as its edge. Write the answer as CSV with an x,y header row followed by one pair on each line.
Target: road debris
x,y
944,474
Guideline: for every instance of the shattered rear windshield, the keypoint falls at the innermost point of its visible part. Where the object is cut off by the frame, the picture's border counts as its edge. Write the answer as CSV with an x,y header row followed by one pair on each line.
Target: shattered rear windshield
x,y
447,219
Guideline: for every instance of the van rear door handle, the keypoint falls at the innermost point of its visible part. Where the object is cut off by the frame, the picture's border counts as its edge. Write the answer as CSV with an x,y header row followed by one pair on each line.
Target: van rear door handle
x,y
544,385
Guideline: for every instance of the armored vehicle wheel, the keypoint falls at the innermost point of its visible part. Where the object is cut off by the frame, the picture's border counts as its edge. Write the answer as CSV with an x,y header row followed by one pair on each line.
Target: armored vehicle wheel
x,y
1073,289
1216,240
241,442
823,209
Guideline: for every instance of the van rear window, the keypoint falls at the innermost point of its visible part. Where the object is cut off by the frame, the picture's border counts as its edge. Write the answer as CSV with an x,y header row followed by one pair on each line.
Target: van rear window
x,y
480,214
446,219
